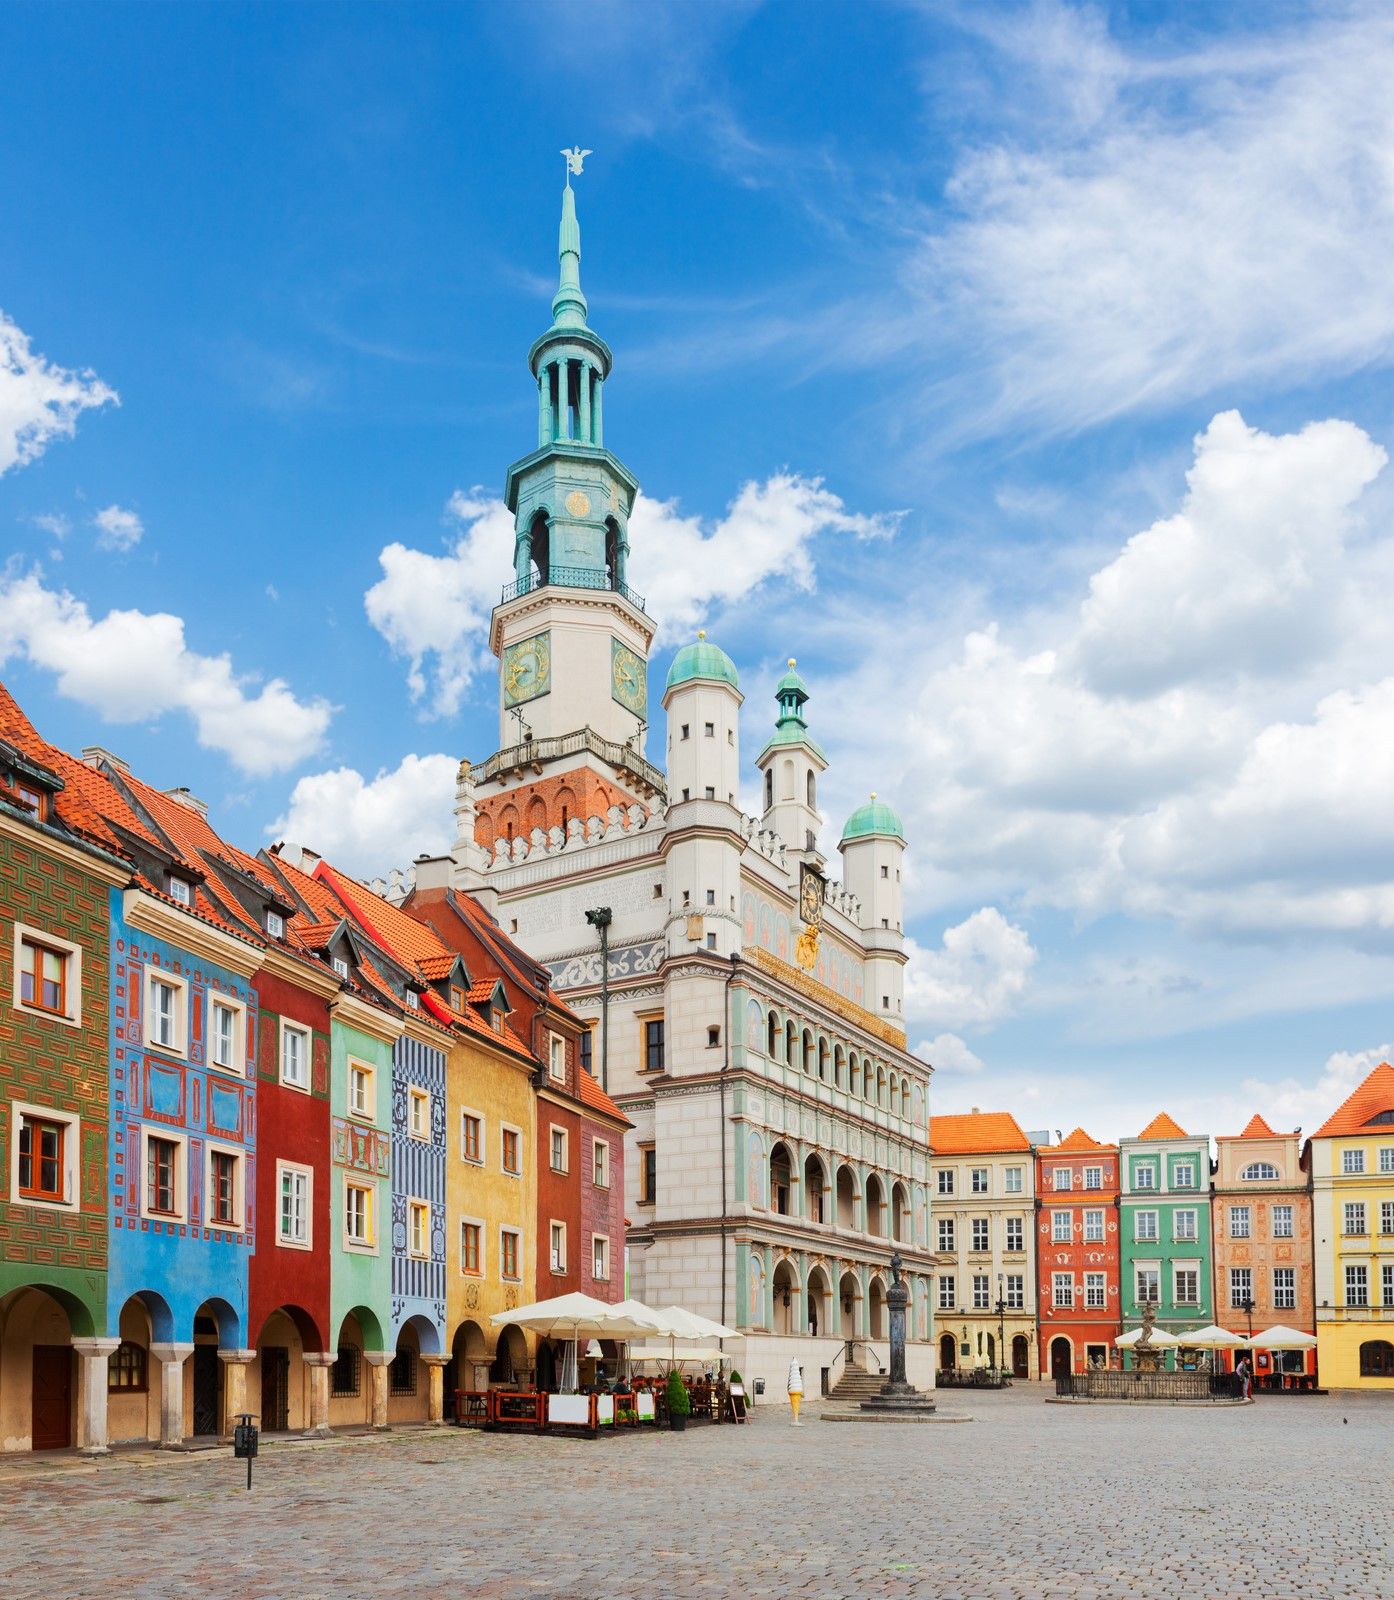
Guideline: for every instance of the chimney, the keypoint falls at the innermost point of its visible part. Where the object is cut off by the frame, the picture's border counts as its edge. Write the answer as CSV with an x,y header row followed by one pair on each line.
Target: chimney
x,y
93,755
185,797
432,872
298,855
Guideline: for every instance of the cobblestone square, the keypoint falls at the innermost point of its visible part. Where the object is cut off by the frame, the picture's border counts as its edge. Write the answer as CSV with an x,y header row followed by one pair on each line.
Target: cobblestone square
x,y
1280,1499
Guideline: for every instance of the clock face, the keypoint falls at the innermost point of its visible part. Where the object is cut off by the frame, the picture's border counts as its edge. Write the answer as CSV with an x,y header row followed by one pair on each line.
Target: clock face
x,y
527,669
629,681
812,890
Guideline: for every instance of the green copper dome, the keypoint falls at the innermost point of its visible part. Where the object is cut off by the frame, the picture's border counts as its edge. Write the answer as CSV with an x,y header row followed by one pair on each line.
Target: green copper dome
x,y
702,659
873,817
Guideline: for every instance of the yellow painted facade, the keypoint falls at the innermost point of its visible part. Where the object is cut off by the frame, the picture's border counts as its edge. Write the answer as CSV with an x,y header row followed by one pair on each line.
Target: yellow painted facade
x,y
495,1088
1353,1240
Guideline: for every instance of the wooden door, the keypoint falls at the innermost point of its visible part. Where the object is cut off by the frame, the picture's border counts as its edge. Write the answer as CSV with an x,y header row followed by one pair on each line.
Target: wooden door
x,y
275,1388
1021,1356
52,1425
1060,1358
208,1390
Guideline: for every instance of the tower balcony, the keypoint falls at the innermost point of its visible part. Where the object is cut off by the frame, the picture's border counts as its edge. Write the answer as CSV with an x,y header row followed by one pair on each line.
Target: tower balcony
x,y
570,578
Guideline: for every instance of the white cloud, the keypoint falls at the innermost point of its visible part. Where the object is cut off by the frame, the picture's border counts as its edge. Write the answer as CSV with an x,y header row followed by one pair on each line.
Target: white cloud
x,y
1290,1103
118,529
978,975
54,522
434,609
133,665
369,826
946,1052
39,401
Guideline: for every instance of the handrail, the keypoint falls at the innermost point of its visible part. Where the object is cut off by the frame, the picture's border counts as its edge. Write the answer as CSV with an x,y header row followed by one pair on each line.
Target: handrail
x,y
566,744
570,578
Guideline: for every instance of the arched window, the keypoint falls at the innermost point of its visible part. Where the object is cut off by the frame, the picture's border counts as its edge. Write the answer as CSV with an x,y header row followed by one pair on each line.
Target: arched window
x,y
791,1042
1377,1359
812,790
808,1052
772,1036
769,788
1260,1172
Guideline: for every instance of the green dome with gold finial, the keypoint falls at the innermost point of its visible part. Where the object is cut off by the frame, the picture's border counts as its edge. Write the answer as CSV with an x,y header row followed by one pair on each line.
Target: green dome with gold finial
x,y
872,817
702,659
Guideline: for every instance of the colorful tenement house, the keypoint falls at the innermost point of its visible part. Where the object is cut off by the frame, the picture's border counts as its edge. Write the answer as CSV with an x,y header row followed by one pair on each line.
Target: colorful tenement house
x,y
1164,1228
983,1175
1263,1240
1077,1253
1351,1160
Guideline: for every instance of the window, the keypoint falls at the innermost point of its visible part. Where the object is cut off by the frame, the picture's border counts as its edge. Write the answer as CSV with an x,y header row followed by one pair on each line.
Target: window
x,y
653,1045
42,1165
346,1374
275,924
1386,1285
419,1113
1352,1161
558,1254
472,1249
559,1141
162,1177
982,1296
1357,1286
1186,1282
1093,1177
224,1184
1064,1178
600,1164
1353,1217
686,731
648,1175
1183,1225
358,1215
945,1180
980,1234
1241,1287
293,1188
946,1233
711,941
1015,1234
1183,1175
1259,1172
1377,1359
587,1051
1095,1295
295,1056
1145,1226
419,1229
1386,1158
978,1180
512,1145
1145,1177
713,1038
600,1257
1148,1285
1282,1222
1386,1216
711,893
946,1292
556,1058
1284,1289
181,891
457,999
1239,1222
709,729
360,1089
1093,1227
1062,1286
47,976
508,1254
1016,1291
223,1031
401,1373
1061,1227
164,1021
126,1371
1013,1185
471,1138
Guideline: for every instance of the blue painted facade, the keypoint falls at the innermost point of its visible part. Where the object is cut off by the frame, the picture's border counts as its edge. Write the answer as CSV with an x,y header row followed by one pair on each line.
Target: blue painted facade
x,y
176,1264
418,1173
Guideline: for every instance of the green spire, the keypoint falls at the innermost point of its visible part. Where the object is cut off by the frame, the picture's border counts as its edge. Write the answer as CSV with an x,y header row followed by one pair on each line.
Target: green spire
x,y
791,693
569,304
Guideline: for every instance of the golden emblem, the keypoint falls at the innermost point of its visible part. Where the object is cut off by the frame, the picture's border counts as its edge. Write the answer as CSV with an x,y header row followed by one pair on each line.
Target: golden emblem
x,y
806,949
577,504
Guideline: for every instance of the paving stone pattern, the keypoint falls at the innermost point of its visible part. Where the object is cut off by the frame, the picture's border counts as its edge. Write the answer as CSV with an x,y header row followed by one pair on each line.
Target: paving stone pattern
x,y
1275,1501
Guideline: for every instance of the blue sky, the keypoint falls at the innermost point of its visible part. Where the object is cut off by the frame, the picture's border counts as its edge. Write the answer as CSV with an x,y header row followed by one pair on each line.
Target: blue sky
x,y
1024,370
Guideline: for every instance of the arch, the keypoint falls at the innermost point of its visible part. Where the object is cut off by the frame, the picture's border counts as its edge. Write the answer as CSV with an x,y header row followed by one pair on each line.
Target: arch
x,y
769,788
786,1299
894,1100
1260,1172
1021,1356
781,1179
81,1317
948,1352
875,1218
807,1062
845,1198
755,1307
822,1059
876,1307
612,548
771,1034
540,533
815,1186
509,823
754,1025
537,814
791,1034
880,1085
901,1220
1377,1359
838,1065
368,1326
39,1381
510,1358
849,1294
162,1329
905,1098
566,807
228,1321
786,778
818,1303
470,1343
1062,1356
812,790
427,1334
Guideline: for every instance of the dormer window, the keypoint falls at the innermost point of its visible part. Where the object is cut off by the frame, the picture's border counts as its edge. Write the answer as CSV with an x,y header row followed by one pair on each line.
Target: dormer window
x,y
182,891
413,1000
275,924
28,799
457,997
496,1019
341,967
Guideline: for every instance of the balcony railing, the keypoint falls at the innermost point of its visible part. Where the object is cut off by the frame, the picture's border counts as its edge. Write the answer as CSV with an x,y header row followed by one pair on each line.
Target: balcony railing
x,y
566,744
570,578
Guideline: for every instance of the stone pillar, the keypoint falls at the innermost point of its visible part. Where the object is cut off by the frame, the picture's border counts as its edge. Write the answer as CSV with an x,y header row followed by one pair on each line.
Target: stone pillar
x,y
544,408
91,1425
235,1364
522,563
896,1298
435,1392
171,1358
378,1363
319,1363
563,410
583,395
597,425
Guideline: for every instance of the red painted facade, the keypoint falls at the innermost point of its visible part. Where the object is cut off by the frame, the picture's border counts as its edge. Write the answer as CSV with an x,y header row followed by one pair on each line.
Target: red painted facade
x,y
1077,1192
558,1194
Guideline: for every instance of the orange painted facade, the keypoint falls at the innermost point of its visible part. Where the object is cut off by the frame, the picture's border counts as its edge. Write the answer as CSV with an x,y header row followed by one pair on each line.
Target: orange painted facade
x,y
1077,1253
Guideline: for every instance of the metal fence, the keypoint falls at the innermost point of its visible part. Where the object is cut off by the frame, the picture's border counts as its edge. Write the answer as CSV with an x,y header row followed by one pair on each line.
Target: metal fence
x,y
972,1378
571,578
1159,1386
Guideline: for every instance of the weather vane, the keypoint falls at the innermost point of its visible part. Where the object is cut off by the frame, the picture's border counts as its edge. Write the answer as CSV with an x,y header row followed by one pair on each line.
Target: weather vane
x,y
574,157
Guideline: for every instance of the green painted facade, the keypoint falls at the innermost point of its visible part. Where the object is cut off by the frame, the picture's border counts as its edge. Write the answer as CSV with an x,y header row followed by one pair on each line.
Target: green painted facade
x,y
1164,1226
360,1150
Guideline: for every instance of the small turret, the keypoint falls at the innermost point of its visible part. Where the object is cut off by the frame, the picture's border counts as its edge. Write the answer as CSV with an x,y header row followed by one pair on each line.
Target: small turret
x,y
873,852
791,764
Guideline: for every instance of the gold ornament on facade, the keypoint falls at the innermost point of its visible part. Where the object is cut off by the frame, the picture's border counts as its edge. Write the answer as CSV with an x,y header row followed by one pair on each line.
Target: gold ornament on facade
x,y
577,504
806,949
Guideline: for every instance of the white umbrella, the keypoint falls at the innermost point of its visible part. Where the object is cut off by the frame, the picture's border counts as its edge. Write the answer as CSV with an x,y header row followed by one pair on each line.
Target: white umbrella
x,y
688,1325
1281,1338
574,1317
1211,1338
1161,1340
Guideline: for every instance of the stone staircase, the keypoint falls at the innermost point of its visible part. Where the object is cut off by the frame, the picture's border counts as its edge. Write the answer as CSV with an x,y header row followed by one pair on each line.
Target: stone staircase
x,y
855,1385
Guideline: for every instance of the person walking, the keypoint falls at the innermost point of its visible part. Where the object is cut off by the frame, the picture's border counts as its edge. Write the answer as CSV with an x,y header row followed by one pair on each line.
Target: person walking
x,y
795,1390
1246,1376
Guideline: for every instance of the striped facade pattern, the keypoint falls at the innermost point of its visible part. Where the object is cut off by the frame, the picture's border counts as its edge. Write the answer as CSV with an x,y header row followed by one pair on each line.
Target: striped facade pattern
x,y
418,1173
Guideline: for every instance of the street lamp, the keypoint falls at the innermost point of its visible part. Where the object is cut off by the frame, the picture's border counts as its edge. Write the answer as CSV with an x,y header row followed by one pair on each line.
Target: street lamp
x,y
1247,1305
1001,1322
600,920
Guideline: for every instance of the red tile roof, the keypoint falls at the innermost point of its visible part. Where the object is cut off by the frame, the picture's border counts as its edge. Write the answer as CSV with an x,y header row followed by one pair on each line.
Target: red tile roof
x,y
74,806
976,1133
1257,1128
1163,1127
594,1096
1080,1140
1374,1095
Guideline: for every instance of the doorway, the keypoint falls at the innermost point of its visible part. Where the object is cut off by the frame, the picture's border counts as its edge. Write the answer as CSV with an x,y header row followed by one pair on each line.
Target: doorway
x,y
1061,1358
52,1424
948,1352
275,1388
1021,1356
208,1390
